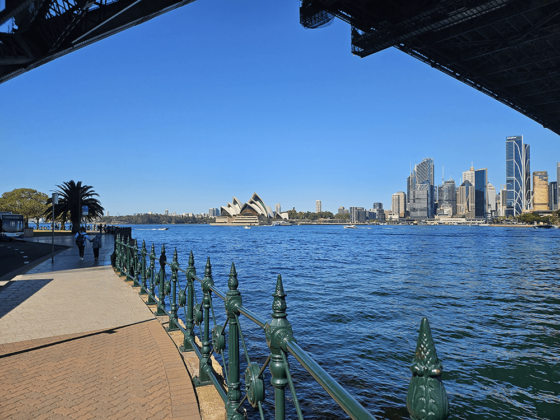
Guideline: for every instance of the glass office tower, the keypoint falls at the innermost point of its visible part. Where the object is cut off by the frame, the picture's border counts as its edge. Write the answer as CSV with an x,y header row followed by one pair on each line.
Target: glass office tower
x,y
480,181
518,176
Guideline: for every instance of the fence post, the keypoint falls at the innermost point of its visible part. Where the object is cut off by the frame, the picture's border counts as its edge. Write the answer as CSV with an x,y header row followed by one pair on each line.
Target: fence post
x,y
152,270
173,315
233,300
118,254
426,396
206,361
135,264
278,332
188,341
161,292
128,257
143,252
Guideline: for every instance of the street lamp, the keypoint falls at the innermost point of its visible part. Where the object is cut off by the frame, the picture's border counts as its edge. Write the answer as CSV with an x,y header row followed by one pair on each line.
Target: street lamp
x,y
54,202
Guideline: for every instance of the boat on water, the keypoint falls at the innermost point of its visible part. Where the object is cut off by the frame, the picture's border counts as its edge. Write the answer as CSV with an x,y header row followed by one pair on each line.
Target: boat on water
x,y
542,227
350,227
163,229
247,227
283,223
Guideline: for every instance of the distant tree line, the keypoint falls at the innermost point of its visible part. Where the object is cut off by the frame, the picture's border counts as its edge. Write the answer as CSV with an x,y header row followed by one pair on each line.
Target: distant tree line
x,y
293,214
156,219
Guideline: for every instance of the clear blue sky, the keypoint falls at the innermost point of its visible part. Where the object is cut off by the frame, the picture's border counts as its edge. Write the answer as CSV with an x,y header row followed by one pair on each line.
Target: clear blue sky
x,y
224,98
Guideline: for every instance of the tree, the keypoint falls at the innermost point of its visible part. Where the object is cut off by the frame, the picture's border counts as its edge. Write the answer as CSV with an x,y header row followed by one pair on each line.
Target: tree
x,y
71,197
31,204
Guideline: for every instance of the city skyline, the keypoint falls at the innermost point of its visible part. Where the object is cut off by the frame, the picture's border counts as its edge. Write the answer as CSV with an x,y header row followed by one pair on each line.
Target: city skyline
x,y
199,114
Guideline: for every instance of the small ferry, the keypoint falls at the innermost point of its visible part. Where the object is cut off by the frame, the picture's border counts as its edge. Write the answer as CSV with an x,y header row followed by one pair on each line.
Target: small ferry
x,y
350,227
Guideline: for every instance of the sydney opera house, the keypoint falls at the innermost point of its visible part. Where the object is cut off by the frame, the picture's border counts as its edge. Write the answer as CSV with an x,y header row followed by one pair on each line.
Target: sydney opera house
x,y
253,212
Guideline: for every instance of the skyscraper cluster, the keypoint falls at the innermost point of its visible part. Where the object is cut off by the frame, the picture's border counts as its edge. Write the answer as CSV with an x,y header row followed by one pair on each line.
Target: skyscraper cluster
x,y
475,197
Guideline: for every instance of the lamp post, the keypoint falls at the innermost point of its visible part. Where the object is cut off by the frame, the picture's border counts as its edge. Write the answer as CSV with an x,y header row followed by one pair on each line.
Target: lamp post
x,y
54,202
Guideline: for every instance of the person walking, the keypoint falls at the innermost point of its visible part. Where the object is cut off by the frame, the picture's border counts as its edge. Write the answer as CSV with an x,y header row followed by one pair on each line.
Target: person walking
x,y
96,244
81,237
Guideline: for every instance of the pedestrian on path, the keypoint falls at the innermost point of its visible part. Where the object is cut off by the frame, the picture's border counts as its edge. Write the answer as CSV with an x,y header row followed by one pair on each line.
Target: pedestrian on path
x,y
96,244
81,237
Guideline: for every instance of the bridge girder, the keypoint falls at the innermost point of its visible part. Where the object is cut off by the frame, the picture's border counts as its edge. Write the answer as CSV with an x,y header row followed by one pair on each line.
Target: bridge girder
x,y
43,30
507,49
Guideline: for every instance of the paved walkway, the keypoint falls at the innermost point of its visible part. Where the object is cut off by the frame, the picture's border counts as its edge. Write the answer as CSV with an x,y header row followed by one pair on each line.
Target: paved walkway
x,y
78,342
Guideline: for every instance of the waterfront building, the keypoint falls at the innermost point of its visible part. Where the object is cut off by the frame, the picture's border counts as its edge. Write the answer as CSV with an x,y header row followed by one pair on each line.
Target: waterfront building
x,y
447,200
357,215
465,200
253,212
278,208
398,204
213,212
491,197
421,190
378,206
502,201
318,206
540,191
553,195
518,179
480,182
166,212
342,210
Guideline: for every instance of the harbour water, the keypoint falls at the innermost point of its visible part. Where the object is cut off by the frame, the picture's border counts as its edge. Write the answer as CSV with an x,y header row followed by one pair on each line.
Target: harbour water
x,y
356,297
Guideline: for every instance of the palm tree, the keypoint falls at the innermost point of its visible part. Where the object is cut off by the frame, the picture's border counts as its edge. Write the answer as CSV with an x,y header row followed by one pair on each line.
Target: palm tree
x,y
71,197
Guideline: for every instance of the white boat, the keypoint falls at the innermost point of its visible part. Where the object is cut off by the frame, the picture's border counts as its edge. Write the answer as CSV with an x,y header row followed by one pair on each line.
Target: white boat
x,y
350,227
247,227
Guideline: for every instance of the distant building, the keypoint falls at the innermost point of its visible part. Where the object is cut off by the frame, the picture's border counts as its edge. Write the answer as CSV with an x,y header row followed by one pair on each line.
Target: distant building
x,y
465,198
318,206
491,208
357,215
448,199
421,190
167,212
342,210
214,212
107,214
502,201
378,206
469,175
518,176
278,208
540,191
419,205
480,182
398,205
553,195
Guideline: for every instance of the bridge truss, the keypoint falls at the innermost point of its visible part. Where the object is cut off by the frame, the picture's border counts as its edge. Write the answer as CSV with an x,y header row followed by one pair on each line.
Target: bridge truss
x,y
38,31
507,49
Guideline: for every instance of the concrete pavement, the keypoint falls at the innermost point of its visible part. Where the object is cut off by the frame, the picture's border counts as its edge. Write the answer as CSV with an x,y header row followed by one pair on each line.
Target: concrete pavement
x,y
78,342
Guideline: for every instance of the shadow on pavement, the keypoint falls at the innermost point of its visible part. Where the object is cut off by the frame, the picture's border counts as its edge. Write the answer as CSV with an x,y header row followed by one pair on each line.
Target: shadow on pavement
x,y
15,293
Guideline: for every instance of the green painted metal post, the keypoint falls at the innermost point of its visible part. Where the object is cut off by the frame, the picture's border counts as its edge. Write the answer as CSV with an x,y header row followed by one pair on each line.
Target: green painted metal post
x,y
233,300
161,304
206,361
278,333
152,270
188,341
128,257
173,321
426,398
143,252
135,264
118,254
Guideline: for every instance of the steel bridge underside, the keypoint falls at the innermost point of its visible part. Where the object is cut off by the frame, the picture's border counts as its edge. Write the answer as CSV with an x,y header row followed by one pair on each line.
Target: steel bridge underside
x,y
43,30
507,49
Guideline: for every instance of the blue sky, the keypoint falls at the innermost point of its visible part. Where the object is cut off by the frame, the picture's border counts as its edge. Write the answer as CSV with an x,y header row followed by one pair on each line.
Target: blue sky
x,y
224,98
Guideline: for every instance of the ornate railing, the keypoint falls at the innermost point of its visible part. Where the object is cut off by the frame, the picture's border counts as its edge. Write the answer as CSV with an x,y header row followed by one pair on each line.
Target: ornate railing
x,y
426,397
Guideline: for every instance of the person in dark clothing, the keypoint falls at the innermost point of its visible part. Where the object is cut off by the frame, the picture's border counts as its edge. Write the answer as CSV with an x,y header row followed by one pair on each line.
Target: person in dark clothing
x,y
96,244
81,238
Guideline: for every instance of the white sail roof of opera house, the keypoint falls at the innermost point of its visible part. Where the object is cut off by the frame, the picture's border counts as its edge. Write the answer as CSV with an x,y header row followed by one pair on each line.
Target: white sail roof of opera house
x,y
255,206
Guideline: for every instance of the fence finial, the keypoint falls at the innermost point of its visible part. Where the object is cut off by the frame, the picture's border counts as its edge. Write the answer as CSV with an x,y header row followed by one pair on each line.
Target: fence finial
x,y
426,398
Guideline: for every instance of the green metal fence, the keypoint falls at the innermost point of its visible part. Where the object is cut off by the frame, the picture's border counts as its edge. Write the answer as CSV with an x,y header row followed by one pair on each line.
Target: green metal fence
x,y
426,397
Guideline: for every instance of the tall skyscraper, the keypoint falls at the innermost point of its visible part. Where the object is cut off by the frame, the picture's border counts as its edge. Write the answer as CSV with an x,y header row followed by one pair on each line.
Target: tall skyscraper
x,y
491,198
540,193
480,182
278,208
167,212
422,190
318,206
398,204
357,215
469,175
378,206
518,179
448,199
465,200
553,195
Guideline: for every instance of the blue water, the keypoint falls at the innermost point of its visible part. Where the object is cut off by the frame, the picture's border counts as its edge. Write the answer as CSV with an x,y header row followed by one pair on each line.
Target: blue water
x,y
356,298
